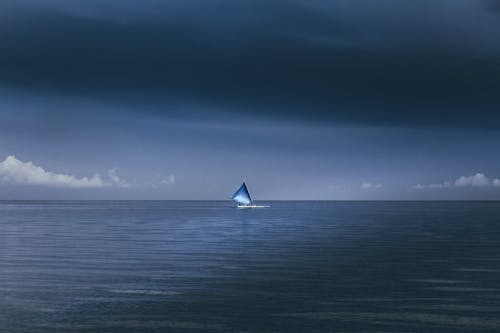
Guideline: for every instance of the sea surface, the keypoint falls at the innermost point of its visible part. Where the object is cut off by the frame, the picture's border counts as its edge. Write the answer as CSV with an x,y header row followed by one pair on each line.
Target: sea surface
x,y
204,266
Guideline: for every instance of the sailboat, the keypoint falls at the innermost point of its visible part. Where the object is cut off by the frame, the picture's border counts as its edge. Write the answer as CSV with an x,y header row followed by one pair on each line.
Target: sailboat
x,y
242,197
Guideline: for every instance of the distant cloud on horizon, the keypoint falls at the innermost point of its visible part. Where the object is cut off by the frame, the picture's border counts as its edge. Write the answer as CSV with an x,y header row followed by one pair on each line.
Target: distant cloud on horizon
x,y
367,185
168,181
113,175
15,171
477,180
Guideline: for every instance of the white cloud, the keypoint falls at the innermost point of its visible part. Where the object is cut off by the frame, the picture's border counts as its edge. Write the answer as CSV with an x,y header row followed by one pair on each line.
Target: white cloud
x,y
370,185
15,171
441,185
113,175
477,180
168,181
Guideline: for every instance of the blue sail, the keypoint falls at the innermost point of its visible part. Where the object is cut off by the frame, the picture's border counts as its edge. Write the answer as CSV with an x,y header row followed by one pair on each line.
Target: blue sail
x,y
242,196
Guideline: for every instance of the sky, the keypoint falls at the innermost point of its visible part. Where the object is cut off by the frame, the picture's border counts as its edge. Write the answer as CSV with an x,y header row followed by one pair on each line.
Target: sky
x,y
302,99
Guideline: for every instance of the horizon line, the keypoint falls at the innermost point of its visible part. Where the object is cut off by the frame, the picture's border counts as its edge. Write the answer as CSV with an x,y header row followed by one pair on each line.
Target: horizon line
x,y
272,200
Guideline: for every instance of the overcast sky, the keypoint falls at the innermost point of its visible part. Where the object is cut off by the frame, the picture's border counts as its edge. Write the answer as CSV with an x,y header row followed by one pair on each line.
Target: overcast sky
x,y
304,99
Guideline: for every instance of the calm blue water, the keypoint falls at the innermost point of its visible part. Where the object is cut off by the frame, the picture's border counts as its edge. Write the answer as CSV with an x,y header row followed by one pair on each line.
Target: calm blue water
x,y
169,266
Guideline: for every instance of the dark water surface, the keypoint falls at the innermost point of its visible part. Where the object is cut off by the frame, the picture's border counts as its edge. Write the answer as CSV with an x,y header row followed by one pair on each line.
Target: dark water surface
x,y
170,266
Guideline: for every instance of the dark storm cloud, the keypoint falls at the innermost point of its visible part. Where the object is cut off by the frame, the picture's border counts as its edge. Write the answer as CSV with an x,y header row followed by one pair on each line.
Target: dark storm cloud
x,y
427,62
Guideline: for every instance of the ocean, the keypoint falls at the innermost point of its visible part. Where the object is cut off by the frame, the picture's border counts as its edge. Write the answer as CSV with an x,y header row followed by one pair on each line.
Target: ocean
x,y
204,266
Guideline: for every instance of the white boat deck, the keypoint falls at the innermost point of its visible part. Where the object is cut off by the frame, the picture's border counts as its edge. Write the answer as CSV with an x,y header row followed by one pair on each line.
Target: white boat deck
x,y
252,206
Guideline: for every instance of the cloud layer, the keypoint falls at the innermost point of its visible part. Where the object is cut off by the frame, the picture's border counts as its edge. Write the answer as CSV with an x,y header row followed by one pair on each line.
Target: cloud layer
x,y
342,61
477,180
15,171
367,186
113,175
168,181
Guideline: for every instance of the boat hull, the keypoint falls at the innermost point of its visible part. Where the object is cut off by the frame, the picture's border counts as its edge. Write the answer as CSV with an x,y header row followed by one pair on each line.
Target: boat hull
x,y
252,206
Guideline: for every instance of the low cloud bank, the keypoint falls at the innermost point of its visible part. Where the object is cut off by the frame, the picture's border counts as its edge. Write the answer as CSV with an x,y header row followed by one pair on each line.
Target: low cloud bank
x,y
367,186
15,171
113,175
477,180
168,181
